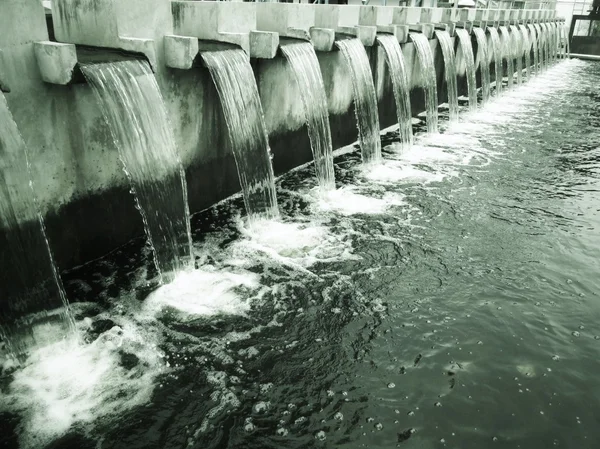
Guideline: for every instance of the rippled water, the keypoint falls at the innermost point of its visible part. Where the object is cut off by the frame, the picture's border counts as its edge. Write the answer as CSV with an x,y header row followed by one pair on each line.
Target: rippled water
x,y
461,311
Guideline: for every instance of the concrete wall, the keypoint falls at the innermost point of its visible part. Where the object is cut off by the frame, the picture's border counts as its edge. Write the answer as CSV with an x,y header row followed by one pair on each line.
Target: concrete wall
x,y
82,190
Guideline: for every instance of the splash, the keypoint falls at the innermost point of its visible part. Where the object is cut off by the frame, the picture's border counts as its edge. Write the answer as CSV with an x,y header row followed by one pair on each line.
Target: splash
x,y
67,384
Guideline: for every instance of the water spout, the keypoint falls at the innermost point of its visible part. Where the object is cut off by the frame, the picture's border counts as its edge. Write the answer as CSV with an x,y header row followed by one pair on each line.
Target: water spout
x,y
238,92
133,107
430,85
497,48
467,51
449,72
34,309
534,47
365,99
397,69
307,73
507,52
483,57
517,51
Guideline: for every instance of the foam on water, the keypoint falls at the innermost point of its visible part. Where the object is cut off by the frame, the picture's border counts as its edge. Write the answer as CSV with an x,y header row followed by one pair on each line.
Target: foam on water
x,y
394,172
205,292
67,384
293,244
347,201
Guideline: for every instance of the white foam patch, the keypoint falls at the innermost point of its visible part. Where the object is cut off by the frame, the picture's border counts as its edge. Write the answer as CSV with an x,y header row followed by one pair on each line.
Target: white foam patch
x,y
347,201
67,383
395,171
204,292
296,245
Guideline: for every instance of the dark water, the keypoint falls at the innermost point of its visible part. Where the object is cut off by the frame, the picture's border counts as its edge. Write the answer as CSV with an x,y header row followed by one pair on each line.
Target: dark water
x,y
464,315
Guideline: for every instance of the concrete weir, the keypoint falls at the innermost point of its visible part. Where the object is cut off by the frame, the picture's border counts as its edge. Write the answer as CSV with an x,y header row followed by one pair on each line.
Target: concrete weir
x,y
82,190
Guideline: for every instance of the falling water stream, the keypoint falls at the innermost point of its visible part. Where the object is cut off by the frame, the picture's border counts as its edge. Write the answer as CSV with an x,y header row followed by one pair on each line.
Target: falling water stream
x,y
497,48
449,72
236,85
461,313
534,69
543,39
484,62
526,49
507,52
132,105
365,98
397,70
307,73
33,301
517,51
428,78
467,53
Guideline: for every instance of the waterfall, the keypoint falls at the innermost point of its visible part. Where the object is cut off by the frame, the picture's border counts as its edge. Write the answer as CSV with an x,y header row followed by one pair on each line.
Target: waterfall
x,y
33,298
534,46
447,45
133,107
544,44
497,58
365,98
484,62
540,47
397,69
307,73
517,51
429,79
567,44
555,40
234,79
507,51
467,52
526,50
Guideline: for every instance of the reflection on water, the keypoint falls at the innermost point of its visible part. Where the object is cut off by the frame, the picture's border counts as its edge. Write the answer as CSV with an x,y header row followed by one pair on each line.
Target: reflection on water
x,y
459,308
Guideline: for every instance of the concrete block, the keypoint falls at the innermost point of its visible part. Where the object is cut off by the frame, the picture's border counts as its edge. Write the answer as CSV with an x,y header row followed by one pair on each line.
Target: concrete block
x,y
140,45
180,51
446,15
345,20
455,14
132,25
263,44
400,32
215,21
287,19
413,15
427,29
431,15
56,61
466,26
367,16
322,39
366,34
467,14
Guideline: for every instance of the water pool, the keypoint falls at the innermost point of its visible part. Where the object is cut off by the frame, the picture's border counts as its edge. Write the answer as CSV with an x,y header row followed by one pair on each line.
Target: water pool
x,y
447,298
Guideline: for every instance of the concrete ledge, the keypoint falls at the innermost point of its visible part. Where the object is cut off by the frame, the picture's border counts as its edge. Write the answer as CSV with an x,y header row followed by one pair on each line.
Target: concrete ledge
x,y
466,26
400,32
427,29
56,61
180,51
263,44
322,38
